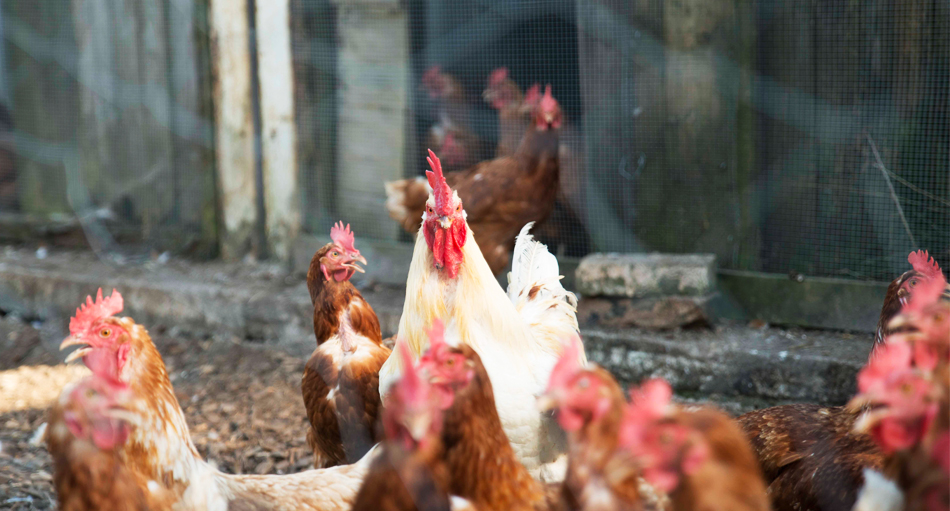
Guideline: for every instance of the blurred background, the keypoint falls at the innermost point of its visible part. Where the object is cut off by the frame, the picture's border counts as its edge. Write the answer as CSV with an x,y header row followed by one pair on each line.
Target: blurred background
x,y
789,138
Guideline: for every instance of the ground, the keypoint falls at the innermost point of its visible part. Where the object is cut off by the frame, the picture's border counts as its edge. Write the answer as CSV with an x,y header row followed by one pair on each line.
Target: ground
x,y
242,402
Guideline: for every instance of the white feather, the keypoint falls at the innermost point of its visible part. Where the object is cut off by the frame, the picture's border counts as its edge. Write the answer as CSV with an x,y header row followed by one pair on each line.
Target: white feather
x,y
878,494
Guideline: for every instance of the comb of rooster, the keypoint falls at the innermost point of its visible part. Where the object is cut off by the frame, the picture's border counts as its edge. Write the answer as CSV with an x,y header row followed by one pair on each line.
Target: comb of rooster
x,y
547,101
436,179
497,76
533,95
924,264
93,311
568,364
343,236
411,382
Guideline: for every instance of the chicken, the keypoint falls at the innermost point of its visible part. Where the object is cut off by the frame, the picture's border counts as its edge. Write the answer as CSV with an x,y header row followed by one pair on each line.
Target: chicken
x,y
410,473
904,396
481,464
590,405
518,336
84,432
451,133
514,109
696,454
501,195
159,447
809,454
924,269
340,383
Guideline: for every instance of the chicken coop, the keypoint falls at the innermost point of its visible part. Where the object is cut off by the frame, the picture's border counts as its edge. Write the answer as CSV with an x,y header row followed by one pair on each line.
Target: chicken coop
x,y
788,138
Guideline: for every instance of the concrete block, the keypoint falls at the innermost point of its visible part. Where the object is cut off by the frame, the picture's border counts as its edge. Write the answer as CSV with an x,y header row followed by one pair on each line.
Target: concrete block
x,y
659,313
646,275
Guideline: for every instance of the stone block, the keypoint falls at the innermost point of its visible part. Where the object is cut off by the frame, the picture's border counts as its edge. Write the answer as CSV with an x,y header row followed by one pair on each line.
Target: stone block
x,y
646,275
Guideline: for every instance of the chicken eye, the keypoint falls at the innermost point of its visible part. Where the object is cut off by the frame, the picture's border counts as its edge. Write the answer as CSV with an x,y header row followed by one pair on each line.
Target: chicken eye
x,y
458,208
913,282
583,383
450,362
335,254
105,332
429,209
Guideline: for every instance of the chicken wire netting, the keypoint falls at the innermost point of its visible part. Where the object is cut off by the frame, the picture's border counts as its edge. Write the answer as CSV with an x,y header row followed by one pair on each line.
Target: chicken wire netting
x,y
783,136
106,136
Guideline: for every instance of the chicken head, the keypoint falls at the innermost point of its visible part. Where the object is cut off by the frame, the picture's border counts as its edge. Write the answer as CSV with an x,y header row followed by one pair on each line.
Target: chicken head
x,y
579,394
95,412
340,258
443,222
413,415
103,340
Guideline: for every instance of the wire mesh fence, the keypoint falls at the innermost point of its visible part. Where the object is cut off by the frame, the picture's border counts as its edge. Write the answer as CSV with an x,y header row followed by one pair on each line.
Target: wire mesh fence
x,y
783,136
105,125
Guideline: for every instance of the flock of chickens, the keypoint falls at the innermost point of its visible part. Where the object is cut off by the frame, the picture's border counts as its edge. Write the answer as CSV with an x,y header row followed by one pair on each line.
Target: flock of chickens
x,y
487,401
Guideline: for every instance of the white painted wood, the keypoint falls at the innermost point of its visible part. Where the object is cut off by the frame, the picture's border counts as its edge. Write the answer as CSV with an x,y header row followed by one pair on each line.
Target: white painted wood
x,y
278,128
373,67
234,140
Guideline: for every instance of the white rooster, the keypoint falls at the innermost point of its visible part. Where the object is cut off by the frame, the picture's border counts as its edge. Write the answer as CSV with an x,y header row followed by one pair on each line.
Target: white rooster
x,y
518,336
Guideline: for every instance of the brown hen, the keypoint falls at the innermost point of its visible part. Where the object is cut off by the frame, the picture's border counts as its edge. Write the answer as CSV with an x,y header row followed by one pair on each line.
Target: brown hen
x,y
340,383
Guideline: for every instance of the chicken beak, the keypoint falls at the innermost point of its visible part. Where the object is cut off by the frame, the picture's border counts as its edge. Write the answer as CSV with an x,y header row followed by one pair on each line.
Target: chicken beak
x,y
445,222
547,402
75,340
418,426
352,263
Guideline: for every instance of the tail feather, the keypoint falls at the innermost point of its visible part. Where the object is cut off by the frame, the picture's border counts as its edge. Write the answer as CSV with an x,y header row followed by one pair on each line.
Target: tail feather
x,y
406,200
534,287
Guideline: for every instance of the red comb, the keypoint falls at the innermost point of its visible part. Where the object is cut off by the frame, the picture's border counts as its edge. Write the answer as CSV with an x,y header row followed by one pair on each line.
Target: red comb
x,y
410,383
547,101
567,365
924,264
534,94
343,236
92,311
497,76
436,334
651,398
440,188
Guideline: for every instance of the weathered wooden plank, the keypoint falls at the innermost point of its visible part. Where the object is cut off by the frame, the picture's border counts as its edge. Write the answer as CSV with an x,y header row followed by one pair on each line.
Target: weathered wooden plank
x,y
279,135
142,140
234,140
45,104
315,101
373,65
621,69
191,125
814,302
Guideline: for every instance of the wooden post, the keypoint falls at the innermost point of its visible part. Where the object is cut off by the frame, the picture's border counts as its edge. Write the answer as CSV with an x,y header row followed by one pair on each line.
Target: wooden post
x,y
234,140
279,135
702,89
373,64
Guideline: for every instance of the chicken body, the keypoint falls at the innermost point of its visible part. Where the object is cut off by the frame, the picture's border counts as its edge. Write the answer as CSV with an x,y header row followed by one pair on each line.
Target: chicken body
x,y
160,448
500,195
517,336
340,384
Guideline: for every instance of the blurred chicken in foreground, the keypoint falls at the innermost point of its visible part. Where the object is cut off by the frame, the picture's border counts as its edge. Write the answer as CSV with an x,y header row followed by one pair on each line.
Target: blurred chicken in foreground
x,y
410,473
340,384
695,453
904,393
119,351
87,426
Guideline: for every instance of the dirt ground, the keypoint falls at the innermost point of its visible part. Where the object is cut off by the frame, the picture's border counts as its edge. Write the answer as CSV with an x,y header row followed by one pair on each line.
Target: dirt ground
x,y
242,403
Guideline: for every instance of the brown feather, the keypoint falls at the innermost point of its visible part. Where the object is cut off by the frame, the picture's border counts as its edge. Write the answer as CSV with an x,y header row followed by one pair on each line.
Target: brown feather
x,y
405,481
809,455
731,478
